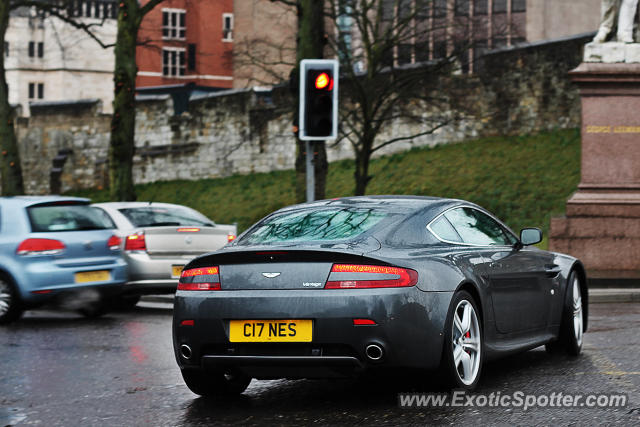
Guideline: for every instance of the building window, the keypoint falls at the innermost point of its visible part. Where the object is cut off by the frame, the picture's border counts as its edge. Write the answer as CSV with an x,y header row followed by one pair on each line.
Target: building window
x,y
191,57
173,62
227,26
462,7
518,6
440,8
40,49
32,49
6,49
499,6
498,42
344,24
174,23
480,7
32,90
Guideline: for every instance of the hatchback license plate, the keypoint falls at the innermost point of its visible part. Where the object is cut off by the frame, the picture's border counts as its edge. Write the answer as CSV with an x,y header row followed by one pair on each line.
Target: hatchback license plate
x,y
176,270
271,330
92,276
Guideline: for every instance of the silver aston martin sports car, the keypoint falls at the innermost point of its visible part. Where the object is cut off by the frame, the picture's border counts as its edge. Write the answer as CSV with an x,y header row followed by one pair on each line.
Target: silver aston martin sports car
x,y
342,287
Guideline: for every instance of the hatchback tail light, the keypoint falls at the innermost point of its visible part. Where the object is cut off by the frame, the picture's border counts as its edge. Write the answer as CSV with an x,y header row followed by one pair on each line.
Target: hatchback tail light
x,y
349,276
40,247
114,242
200,279
135,242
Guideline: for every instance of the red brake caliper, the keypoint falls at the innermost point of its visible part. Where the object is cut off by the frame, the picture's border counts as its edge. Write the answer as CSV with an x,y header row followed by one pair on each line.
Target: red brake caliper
x,y
467,335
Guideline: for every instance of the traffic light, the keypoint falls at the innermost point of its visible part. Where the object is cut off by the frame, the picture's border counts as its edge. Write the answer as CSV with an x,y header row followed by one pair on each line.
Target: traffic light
x,y
318,99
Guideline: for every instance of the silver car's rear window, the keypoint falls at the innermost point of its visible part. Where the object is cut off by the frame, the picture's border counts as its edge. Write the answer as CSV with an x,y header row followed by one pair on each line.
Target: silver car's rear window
x,y
65,217
313,225
158,216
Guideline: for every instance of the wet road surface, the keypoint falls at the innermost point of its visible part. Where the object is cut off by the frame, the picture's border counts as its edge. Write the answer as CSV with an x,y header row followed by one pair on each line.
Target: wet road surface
x,y
62,369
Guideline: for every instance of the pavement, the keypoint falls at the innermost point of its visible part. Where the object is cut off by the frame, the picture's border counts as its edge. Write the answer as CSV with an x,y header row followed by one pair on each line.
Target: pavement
x,y
60,369
596,296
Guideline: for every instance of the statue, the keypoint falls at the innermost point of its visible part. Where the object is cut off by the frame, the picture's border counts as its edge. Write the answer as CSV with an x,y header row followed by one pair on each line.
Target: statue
x,y
625,11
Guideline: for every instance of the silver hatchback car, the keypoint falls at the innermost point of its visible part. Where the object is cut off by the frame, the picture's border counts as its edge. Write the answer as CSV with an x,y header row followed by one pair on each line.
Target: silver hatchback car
x,y
158,240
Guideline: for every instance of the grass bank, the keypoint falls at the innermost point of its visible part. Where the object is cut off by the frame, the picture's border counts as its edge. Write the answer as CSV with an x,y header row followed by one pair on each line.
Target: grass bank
x,y
522,179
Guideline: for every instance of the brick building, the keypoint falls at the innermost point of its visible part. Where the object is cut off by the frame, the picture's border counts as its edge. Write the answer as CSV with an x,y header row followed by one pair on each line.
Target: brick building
x,y
187,41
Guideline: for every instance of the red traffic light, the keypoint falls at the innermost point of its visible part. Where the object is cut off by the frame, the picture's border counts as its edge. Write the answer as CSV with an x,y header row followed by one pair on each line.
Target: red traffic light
x,y
323,81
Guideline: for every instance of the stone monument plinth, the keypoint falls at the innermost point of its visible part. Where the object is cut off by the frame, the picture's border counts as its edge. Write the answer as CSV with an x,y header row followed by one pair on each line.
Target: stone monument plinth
x,y
602,223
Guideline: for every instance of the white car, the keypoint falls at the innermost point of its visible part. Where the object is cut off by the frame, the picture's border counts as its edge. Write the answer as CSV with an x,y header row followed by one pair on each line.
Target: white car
x,y
158,240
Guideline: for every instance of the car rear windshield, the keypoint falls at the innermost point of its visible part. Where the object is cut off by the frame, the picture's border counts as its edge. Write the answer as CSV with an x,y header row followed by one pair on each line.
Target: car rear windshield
x,y
66,217
313,225
158,216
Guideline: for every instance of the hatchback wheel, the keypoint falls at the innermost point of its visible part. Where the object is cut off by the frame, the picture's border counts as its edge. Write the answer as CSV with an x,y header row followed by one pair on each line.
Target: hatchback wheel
x,y
215,383
462,353
10,307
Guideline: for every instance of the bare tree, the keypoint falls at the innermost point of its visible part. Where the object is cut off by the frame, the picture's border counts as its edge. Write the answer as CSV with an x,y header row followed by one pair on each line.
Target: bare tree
x,y
271,60
122,143
10,168
394,57
394,54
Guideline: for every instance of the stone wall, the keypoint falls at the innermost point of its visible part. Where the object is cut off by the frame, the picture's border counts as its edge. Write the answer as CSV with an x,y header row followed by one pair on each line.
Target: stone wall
x,y
64,146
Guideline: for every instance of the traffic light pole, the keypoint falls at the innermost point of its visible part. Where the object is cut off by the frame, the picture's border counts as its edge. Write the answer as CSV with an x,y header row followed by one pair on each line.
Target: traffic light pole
x,y
318,111
311,176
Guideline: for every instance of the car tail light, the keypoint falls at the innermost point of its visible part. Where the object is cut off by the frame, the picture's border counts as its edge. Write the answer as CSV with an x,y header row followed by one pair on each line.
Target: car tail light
x,y
364,322
231,237
200,279
114,242
40,247
371,276
135,242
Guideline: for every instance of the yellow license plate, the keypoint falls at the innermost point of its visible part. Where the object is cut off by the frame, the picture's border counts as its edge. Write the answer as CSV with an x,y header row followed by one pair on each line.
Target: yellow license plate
x,y
270,330
92,276
176,270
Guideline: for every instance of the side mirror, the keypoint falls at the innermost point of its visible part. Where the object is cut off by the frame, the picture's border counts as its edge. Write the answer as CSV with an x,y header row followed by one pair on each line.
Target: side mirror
x,y
530,236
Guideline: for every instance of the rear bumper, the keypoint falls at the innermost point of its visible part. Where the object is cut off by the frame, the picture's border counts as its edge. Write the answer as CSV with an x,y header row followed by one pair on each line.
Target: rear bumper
x,y
409,325
153,273
41,281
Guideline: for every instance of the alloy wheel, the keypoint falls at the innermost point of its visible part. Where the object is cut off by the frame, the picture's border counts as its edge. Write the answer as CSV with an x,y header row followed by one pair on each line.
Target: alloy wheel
x,y
5,298
467,344
577,312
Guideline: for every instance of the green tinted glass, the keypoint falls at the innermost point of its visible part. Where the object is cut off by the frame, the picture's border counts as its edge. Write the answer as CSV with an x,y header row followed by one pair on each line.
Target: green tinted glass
x,y
313,225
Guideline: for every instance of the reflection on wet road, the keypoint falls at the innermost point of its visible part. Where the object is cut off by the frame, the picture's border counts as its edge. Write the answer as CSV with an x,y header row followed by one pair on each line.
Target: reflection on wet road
x,y
61,369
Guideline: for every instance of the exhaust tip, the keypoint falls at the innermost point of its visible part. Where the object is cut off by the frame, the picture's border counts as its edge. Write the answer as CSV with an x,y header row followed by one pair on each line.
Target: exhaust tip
x,y
185,351
374,352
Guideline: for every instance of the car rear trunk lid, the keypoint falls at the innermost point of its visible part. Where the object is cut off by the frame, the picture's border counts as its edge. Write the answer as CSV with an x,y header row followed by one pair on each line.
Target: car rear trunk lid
x,y
178,241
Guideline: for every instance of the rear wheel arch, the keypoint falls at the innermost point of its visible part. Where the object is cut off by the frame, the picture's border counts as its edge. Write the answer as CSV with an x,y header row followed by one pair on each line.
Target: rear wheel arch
x,y
475,293
5,275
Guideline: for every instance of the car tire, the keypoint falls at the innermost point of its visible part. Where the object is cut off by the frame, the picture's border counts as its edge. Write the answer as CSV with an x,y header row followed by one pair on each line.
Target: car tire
x,y
10,306
215,383
572,324
94,310
463,352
